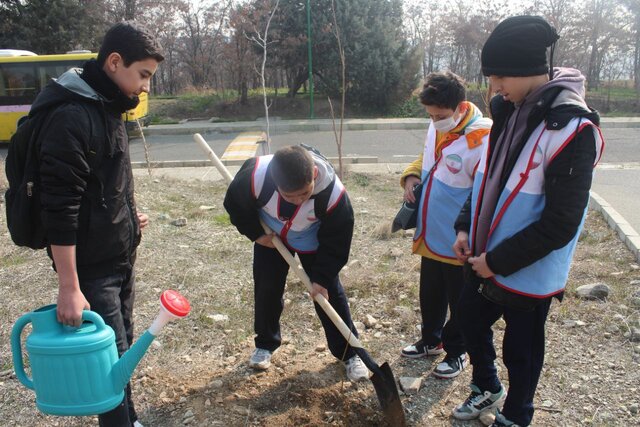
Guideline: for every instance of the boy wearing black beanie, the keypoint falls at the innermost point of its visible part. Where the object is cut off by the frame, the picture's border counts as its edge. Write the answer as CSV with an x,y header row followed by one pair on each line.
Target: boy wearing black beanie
x,y
519,228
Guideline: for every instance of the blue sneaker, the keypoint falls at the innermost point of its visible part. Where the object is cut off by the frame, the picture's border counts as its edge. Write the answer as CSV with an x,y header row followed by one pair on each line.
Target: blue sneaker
x,y
502,421
260,359
478,402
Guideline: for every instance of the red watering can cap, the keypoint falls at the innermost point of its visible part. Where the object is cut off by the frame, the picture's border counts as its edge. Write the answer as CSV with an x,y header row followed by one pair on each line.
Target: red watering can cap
x,y
175,303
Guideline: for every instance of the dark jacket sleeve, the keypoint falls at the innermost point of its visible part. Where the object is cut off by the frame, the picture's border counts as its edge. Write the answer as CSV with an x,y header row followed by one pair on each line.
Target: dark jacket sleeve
x,y
567,183
463,222
241,205
334,238
64,172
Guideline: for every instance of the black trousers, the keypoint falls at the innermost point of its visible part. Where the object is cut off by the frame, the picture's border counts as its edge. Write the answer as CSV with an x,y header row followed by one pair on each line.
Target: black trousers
x,y
269,275
440,287
112,298
522,349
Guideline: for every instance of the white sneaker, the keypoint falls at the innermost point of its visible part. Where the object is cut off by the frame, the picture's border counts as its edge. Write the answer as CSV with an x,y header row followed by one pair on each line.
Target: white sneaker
x,y
356,369
260,359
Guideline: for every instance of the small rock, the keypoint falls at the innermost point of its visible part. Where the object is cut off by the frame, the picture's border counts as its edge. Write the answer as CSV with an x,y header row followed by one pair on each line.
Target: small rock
x,y
607,335
354,263
207,402
635,302
188,414
188,420
359,326
378,335
635,283
156,343
320,348
396,253
183,400
409,233
387,324
410,385
370,321
637,349
206,208
215,384
187,358
231,359
547,404
157,181
163,217
241,410
633,408
593,291
218,317
487,418
179,222
633,335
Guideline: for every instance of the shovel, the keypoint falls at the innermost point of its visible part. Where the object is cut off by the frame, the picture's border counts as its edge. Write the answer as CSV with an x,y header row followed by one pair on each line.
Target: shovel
x,y
383,380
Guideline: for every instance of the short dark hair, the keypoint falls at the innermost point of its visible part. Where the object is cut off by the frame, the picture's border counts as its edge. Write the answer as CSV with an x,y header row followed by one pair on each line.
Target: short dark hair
x,y
133,41
444,90
292,168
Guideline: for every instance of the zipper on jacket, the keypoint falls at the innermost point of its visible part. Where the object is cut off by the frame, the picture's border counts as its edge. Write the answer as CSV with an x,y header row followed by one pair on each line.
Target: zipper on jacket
x,y
29,189
480,288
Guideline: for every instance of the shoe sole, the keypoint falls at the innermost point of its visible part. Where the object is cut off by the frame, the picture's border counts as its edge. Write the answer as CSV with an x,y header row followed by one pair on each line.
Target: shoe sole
x,y
465,417
259,367
418,356
446,376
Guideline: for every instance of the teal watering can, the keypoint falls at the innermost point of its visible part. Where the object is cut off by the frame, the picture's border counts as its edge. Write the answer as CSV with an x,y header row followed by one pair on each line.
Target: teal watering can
x,y
77,371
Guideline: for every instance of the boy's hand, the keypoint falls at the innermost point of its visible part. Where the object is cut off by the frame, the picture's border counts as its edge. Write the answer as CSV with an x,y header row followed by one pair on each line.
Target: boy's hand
x,y
143,219
319,289
480,266
461,246
266,240
71,302
410,182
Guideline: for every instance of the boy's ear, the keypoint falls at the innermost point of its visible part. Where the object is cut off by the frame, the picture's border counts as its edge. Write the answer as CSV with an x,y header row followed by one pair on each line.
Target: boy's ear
x,y
315,172
113,61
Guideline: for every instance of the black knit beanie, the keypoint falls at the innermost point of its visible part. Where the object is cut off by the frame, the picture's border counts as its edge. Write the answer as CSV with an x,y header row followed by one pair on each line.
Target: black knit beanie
x,y
517,47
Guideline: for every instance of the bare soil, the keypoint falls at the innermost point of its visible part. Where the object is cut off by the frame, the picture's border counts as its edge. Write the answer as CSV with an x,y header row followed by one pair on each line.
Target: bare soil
x,y
196,372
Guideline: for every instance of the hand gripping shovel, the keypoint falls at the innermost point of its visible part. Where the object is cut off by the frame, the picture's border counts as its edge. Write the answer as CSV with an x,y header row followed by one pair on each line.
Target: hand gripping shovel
x,y
382,378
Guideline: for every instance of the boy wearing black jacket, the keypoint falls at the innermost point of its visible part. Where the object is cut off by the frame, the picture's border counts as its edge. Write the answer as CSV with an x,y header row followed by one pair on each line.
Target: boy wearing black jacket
x,y
89,211
297,194
519,228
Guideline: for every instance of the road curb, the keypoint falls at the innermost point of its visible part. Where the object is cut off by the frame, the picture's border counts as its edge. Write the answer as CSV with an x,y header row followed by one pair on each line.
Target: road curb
x,y
625,231
324,125
208,163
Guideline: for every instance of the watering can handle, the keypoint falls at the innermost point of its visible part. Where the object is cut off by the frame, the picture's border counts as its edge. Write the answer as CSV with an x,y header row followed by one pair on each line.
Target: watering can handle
x,y
93,317
16,350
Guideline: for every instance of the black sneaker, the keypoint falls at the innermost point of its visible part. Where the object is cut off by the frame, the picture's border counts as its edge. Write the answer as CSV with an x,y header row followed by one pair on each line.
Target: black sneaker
x,y
451,367
418,350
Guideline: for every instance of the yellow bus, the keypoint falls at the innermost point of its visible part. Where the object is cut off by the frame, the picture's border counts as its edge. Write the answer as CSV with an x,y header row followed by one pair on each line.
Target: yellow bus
x,y
23,74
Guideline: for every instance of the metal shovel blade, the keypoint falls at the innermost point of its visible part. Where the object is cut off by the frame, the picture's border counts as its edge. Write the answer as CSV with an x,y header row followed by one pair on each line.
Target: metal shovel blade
x,y
387,391
385,385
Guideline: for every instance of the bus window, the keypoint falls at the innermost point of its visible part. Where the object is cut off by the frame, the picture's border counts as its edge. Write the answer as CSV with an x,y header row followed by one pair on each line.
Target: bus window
x,y
53,71
20,80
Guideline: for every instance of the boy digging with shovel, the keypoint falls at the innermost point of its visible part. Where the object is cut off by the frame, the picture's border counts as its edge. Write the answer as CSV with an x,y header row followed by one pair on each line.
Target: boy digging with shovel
x,y
297,194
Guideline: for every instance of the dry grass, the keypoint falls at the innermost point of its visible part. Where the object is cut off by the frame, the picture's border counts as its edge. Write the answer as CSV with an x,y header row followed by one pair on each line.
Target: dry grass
x,y
591,375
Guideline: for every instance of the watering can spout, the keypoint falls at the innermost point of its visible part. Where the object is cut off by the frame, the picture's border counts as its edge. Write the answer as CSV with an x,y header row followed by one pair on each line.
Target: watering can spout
x,y
173,306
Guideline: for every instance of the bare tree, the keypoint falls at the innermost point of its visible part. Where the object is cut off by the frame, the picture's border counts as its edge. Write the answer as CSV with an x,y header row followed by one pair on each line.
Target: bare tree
x,y
343,68
262,40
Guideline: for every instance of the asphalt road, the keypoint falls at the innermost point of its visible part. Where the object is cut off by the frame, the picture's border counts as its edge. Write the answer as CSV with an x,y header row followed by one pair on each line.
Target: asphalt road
x,y
617,179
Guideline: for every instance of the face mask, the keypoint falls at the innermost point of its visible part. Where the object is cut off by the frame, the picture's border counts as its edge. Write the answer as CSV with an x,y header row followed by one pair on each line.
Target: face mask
x,y
445,125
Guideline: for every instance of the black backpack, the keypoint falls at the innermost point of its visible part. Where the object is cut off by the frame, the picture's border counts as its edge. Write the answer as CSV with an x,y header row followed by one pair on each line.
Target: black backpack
x,y
22,198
